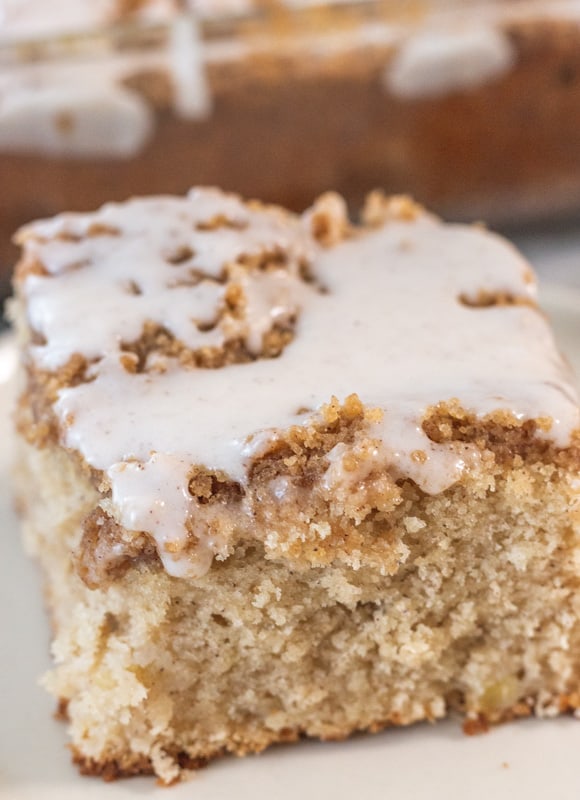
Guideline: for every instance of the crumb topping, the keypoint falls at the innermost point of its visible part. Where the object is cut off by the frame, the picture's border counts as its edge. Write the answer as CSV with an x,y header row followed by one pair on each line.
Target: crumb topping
x,y
189,342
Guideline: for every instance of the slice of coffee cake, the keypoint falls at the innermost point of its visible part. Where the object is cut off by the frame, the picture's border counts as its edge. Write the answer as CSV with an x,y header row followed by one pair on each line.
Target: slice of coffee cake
x,y
290,476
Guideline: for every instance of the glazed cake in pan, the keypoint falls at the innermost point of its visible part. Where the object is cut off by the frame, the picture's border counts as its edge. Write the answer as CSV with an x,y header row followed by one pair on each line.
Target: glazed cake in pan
x,y
291,476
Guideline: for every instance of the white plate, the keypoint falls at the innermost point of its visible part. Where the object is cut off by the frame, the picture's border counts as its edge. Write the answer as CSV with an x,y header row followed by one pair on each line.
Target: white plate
x,y
531,759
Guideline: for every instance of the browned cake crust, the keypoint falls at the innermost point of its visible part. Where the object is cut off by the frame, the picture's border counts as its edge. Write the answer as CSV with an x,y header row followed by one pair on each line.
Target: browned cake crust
x,y
115,769
472,726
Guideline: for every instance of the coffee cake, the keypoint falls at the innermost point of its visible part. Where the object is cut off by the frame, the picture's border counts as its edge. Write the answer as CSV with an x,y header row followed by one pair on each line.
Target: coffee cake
x,y
289,476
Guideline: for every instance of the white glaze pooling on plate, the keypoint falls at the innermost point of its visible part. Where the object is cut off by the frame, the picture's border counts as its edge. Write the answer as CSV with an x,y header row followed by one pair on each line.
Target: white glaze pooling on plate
x,y
390,328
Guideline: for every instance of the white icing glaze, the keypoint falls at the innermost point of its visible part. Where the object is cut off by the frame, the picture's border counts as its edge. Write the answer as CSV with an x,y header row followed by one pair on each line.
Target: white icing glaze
x,y
192,94
436,61
78,121
432,466
390,328
164,295
161,478
30,19
102,117
218,8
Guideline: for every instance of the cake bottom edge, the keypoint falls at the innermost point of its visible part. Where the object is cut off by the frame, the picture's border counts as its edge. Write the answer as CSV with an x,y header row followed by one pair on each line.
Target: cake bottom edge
x,y
474,723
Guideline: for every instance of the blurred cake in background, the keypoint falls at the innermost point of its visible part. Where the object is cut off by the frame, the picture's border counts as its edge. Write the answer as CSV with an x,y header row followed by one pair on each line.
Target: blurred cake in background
x,y
473,108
